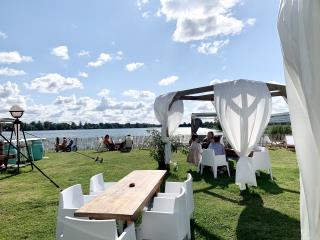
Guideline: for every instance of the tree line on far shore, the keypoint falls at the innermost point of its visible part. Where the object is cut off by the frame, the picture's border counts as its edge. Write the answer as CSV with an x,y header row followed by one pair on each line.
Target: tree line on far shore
x,y
47,125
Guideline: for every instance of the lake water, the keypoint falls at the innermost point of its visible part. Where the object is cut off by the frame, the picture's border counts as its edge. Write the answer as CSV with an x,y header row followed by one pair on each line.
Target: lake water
x,y
86,133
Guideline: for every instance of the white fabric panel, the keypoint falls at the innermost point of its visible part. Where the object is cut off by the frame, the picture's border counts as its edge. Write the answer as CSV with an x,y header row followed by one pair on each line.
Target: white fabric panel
x,y
244,109
169,119
299,30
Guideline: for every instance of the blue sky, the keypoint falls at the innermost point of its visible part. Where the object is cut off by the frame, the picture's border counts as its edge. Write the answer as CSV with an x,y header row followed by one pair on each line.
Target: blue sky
x,y
107,60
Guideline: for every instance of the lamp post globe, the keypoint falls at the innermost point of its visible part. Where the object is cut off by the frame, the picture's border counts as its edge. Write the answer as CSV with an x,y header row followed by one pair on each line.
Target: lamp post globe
x,y
16,111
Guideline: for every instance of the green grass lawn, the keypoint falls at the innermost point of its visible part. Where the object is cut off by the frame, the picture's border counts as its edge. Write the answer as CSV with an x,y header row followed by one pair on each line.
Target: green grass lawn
x,y
29,202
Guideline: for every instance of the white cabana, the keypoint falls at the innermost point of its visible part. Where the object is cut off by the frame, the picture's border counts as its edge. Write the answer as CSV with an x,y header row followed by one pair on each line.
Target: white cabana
x,y
244,109
299,30
169,118
244,127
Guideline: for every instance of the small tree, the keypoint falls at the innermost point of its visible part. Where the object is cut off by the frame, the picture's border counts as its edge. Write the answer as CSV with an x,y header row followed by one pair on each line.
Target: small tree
x,y
157,147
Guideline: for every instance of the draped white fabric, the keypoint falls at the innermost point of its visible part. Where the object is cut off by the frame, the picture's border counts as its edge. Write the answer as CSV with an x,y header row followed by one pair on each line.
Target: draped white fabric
x,y
299,30
243,109
169,119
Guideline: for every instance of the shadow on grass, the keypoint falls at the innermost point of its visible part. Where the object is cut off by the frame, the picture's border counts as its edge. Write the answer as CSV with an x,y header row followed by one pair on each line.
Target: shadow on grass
x,y
258,222
201,231
207,191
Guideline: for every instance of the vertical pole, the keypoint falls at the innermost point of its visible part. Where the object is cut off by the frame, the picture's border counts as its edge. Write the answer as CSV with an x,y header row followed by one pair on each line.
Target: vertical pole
x,y
26,143
16,124
9,147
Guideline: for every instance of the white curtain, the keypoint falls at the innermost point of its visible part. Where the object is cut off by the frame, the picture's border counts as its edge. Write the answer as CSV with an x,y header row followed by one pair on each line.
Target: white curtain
x,y
299,30
243,109
169,119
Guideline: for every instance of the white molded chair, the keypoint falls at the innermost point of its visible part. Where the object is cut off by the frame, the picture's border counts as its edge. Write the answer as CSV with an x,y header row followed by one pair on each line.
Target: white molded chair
x,y
168,219
214,161
70,200
97,184
82,229
261,161
289,142
172,189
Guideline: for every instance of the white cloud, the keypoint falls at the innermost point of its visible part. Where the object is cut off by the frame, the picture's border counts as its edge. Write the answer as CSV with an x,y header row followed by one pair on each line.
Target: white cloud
x,y
65,100
200,19
11,72
54,83
61,52
13,57
279,105
141,3
104,92
146,14
102,59
10,95
251,21
119,55
3,35
83,53
168,80
212,47
134,66
139,94
83,74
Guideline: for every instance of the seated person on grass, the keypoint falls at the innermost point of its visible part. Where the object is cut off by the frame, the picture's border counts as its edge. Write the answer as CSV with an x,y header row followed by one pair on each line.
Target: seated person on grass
x,y
61,146
108,142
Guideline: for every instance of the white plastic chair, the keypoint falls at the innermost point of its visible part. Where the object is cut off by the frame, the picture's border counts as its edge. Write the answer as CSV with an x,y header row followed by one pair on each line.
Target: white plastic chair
x,y
97,184
172,189
168,219
82,229
289,142
214,161
261,161
70,200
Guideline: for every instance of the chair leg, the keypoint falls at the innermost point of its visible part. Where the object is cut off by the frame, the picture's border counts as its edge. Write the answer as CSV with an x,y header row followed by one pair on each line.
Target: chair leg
x,y
215,169
228,169
201,169
270,171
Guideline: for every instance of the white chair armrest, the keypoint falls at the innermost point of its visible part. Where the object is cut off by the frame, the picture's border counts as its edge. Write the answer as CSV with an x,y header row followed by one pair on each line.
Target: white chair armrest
x,y
163,204
67,212
88,198
167,195
129,233
173,187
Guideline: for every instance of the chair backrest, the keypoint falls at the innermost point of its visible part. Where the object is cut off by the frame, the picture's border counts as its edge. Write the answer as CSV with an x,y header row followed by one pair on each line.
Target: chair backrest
x,y
189,194
289,140
180,209
128,142
207,157
97,183
82,229
261,160
72,197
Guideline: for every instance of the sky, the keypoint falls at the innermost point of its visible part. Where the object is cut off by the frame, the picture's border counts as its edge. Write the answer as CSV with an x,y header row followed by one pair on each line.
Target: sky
x,y
106,61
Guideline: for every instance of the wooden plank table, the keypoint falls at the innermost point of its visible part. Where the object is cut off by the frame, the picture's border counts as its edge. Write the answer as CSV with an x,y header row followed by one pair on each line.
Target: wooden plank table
x,y
126,199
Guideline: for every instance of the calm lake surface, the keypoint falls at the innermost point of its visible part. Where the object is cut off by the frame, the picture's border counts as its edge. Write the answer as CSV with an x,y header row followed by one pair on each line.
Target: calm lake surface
x,y
87,133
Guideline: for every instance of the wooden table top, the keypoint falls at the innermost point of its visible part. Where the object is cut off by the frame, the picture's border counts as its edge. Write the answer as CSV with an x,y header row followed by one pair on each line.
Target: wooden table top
x,y
122,202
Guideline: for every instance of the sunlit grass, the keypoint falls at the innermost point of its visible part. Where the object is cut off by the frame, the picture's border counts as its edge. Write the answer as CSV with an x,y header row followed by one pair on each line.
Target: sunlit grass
x,y
28,201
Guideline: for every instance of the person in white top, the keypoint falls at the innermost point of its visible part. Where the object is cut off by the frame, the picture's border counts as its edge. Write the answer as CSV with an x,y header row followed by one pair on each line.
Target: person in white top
x,y
195,154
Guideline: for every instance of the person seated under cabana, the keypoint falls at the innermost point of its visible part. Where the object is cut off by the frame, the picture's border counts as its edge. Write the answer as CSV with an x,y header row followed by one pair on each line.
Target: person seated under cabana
x,y
216,146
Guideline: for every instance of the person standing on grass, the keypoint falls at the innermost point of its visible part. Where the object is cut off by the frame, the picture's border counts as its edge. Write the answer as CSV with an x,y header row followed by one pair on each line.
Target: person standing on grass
x,y
195,154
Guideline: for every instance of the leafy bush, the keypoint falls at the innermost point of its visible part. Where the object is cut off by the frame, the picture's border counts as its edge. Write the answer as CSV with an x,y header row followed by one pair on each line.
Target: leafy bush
x,y
157,146
277,132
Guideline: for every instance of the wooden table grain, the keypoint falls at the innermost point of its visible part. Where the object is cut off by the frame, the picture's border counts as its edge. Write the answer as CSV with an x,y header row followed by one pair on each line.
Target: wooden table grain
x,y
126,199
